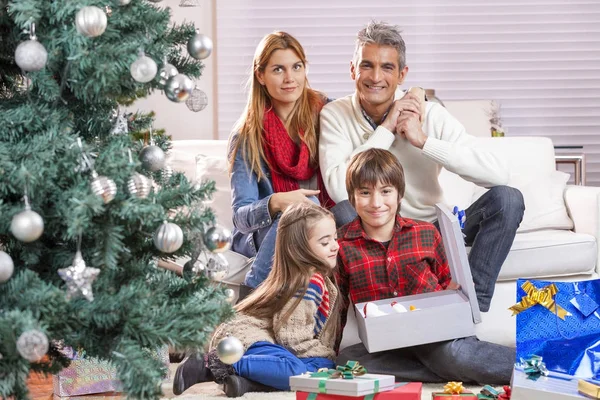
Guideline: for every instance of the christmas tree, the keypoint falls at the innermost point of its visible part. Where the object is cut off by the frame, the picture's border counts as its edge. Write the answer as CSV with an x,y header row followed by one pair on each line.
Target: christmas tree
x,y
86,207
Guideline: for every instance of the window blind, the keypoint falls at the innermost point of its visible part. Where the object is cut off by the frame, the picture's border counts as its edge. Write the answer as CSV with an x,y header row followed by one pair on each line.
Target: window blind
x,y
540,59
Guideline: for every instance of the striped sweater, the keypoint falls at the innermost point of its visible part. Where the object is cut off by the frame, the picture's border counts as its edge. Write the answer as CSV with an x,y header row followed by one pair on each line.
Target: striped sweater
x,y
310,331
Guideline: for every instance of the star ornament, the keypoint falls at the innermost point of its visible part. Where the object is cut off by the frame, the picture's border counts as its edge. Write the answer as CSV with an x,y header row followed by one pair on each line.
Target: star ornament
x,y
79,278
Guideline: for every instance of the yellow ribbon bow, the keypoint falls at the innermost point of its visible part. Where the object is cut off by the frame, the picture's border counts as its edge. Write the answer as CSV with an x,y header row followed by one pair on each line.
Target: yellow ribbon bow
x,y
543,296
453,388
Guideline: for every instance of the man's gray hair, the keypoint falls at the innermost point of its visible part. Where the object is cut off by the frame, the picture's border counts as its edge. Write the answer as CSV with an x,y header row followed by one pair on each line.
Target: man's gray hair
x,y
381,34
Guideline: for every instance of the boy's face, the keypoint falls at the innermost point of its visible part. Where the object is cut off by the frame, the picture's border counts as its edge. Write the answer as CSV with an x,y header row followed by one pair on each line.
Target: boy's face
x,y
376,206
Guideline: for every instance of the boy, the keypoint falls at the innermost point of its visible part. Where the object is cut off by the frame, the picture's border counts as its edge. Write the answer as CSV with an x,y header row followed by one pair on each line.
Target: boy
x,y
383,255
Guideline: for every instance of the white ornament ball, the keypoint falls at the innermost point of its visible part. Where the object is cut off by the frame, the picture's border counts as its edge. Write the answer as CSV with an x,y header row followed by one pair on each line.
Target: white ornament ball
x,y
32,345
229,294
139,186
105,188
166,72
217,268
230,350
31,55
199,46
218,239
178,88
153,158
91,21
7,267
143,69
197,101
27,226
168,238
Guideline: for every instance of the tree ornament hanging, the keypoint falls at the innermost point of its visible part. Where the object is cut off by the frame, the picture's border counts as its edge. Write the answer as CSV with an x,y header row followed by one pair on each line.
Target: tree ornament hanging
x,y
27,226
193,268
218,239
168,238
230,350
139,185
189,3
197,101
229,295
103,187
166,72
199,46
124,2
120,126
7,267
31,55
91,21
178,88
143,69
79,278
152,157
165,174
217,268
32,345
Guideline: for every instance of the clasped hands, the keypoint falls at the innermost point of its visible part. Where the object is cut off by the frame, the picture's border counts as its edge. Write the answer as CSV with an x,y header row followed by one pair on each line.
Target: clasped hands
x,y
405,118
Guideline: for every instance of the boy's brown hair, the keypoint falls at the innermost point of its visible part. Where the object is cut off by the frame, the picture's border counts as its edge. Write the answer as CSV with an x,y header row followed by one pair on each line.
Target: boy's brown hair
x,y
374,166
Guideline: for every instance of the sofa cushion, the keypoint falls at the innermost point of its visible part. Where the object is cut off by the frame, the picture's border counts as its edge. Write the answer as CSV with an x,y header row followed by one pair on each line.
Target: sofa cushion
x,y
549,253
473,114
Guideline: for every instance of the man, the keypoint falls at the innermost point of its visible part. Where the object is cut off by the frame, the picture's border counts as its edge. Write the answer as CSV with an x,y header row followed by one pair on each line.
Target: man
x,y
379,115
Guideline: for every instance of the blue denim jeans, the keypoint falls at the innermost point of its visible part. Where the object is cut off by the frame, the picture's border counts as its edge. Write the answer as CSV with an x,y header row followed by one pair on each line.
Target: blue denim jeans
x,y
272,365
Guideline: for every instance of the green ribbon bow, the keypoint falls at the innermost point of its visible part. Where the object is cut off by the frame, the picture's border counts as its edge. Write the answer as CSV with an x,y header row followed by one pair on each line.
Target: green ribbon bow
x,y
534,367
348,371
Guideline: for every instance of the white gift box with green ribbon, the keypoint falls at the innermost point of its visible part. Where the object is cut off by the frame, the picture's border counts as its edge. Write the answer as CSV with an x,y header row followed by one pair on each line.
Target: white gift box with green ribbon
x,y
357,386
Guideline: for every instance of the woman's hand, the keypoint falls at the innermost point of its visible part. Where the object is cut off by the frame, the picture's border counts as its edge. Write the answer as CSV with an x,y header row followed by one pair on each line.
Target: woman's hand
x,y
280,201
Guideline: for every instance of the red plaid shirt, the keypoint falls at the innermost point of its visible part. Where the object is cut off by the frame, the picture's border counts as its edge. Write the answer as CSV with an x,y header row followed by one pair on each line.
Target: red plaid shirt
x,y
414,262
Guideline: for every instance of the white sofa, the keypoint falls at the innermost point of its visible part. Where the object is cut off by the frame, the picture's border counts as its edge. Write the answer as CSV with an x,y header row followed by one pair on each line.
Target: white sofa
x,y
558,238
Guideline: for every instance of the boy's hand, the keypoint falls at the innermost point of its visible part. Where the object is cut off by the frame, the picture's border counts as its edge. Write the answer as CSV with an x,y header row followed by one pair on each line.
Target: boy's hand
x,y
453,286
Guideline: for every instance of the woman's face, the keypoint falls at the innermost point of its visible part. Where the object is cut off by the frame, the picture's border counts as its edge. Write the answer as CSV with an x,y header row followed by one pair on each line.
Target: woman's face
x,y
284,77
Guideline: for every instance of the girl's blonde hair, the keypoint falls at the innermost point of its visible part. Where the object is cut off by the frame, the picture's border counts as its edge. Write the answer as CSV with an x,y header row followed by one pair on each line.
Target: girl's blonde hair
x,y
293,265
304,116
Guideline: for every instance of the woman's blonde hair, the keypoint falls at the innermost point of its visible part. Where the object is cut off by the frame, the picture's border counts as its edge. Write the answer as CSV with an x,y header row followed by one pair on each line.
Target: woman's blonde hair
x,y
294,264
304,117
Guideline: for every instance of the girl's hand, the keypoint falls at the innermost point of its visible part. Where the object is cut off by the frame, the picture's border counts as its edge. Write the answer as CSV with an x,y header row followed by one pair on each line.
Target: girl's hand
x,y
280,201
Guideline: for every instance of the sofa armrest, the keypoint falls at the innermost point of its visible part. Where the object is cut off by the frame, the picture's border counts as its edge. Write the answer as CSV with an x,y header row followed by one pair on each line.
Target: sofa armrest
x,y
583,205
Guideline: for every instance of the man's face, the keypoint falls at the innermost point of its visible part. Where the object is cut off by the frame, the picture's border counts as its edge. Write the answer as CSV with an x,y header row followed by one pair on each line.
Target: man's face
x,y
377,74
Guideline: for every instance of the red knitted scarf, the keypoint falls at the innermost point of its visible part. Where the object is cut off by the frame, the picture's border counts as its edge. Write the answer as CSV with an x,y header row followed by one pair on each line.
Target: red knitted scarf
x,y
288,161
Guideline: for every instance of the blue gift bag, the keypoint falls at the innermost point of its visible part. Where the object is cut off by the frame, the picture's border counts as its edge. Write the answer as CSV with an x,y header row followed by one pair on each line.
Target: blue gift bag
x,y
560,321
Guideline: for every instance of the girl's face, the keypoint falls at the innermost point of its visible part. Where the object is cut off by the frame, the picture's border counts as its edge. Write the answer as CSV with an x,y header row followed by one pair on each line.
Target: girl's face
x,y
284,77
323,241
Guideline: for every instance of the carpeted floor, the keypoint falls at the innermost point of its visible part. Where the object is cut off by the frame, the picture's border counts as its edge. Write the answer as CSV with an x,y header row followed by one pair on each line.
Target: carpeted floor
x,y
212,391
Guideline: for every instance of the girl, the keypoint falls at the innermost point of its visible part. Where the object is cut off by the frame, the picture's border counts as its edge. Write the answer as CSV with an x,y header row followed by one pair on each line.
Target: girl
x,y
273,151
289,324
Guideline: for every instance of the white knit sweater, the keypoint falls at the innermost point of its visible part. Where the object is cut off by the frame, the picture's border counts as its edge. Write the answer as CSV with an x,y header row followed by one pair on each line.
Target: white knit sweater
x,y
345,132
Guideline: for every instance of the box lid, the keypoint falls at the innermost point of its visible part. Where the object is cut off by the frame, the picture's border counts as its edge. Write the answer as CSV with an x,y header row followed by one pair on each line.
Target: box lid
x,y
456,253
359,386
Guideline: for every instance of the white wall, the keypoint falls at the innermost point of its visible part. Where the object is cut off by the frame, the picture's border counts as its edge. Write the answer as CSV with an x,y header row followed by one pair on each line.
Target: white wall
x,y
176,118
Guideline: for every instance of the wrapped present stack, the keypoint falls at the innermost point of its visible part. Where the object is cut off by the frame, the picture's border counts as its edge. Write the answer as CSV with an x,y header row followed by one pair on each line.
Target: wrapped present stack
x,y
352,380
88,375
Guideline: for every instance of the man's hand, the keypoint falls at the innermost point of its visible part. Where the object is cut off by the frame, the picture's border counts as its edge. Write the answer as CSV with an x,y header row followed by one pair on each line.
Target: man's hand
x,y
409,127
281,200
408,103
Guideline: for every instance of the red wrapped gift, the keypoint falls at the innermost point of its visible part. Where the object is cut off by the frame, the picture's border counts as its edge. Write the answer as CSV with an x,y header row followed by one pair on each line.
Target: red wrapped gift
x,y
454,391
401,391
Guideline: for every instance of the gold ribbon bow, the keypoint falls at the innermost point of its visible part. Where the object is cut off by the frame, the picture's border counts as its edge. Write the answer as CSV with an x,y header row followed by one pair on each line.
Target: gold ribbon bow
x,y
543,296
588,389
453,388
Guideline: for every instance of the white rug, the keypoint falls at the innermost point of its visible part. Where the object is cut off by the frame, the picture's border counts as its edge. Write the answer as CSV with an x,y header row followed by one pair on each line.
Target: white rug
x,y
212,391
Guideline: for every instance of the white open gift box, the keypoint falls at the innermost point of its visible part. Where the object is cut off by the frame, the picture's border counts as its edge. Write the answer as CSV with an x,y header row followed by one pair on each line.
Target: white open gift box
x,y
443,315
358,386
554,387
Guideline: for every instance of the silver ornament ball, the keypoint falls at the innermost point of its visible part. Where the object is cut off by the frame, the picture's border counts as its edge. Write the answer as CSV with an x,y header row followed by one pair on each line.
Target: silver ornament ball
x,y
168,238
32,345
229,295
27,226
166,72
91,21
165,174
31,55
143,69
152,158
199,46
178,88
192,269
197,101
230,350
217,268
139,185
104,188
7,267
218,239
124,2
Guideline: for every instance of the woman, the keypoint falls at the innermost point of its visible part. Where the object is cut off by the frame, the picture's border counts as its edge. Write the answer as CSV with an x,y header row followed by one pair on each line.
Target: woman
x,y
273,151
